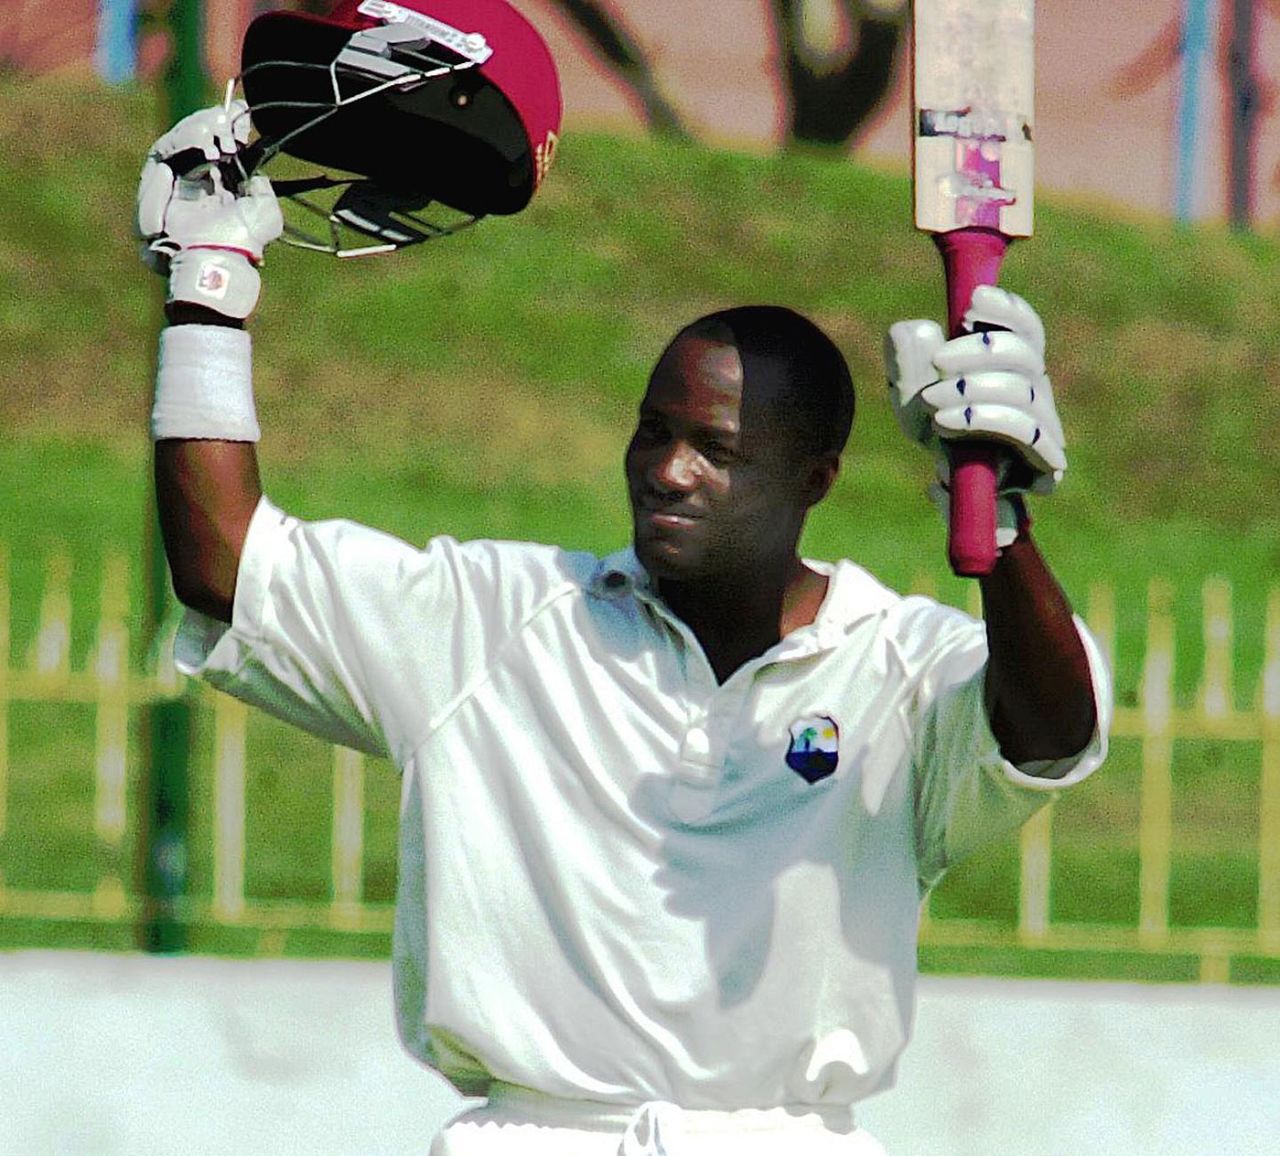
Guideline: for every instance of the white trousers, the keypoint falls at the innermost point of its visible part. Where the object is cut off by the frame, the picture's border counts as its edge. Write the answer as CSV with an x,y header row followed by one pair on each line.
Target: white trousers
x,y
516,1122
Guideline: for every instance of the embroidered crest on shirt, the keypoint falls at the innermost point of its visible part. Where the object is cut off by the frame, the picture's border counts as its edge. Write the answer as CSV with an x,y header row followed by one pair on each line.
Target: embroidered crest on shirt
x,y
814,751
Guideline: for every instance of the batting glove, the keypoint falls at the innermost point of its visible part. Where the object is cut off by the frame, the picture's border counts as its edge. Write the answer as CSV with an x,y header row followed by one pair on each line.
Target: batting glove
x,y
205,237
989,385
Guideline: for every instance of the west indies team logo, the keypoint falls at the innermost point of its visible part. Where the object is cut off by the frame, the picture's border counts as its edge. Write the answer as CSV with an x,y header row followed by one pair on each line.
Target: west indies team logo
x,y
815,747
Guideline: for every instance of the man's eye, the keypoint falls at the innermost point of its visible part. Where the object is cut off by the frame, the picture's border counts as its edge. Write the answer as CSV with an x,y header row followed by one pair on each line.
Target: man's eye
x,y
719,454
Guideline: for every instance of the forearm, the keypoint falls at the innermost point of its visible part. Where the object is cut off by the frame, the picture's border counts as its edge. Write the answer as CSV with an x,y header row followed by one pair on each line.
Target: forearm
x,y
1039,689
206,493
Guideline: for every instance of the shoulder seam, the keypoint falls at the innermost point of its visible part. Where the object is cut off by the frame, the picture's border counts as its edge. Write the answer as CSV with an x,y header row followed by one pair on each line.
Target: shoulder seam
x,y
486,673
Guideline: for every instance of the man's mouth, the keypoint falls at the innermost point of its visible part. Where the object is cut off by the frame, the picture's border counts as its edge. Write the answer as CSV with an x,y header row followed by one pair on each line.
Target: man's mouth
x,y
665,514
663,521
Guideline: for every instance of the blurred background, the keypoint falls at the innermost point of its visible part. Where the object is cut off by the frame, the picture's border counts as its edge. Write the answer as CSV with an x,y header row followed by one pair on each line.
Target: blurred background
x,y
713,154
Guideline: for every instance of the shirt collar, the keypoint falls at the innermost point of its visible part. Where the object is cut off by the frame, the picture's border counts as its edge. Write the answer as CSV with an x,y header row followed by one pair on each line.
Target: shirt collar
x,y
852,596
621,575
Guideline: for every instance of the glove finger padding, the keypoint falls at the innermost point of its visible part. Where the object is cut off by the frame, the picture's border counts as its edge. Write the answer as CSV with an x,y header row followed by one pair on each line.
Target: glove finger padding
x,y
1000,351
216,132
992,306
988,386
1001,406
1012,427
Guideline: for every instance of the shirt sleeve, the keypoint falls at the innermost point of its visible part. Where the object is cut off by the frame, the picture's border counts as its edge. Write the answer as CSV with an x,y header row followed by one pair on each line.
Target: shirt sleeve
x,y
350,633
966,793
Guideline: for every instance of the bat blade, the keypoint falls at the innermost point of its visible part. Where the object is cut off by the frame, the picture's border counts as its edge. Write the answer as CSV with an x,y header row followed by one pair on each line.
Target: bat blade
x,y
974,92
973,151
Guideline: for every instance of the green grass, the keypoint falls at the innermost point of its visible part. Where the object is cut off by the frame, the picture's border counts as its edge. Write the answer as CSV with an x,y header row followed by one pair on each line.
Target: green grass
x,y
484,386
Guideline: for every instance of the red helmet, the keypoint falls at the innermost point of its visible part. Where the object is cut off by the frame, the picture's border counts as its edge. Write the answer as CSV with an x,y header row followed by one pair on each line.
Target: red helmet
x,y
457,101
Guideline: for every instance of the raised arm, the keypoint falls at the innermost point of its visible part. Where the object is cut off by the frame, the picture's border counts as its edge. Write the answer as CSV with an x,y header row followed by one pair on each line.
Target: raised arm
x,y
208,241
1040,696
991,384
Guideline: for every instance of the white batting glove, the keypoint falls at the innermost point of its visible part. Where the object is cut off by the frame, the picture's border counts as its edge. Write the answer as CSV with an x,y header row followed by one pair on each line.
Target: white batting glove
x,y
206,238
989,386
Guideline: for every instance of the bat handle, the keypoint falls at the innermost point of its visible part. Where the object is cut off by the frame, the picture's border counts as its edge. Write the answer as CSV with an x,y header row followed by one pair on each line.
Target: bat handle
x,y
971,539
971,257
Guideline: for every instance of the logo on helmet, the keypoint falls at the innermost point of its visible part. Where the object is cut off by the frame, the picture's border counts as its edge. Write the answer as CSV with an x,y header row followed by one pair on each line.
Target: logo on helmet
x,y
543,155
469,45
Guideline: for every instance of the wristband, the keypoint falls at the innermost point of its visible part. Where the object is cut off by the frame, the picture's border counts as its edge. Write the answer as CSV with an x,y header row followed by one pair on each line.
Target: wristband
x,y
204,385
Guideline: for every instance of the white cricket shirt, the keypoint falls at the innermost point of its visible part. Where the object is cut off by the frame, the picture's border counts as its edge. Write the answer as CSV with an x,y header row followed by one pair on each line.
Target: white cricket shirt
x,y
619,880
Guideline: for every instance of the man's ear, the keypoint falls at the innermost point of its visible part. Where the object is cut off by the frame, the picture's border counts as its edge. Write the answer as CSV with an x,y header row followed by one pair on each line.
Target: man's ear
x,y
822,473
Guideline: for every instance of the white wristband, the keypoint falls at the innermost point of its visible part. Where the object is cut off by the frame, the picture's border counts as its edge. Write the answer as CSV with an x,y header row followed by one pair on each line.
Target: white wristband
x,y
204,385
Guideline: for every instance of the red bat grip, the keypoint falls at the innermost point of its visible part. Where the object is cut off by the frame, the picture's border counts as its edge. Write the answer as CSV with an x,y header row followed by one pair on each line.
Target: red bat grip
x,y
971,542
971,257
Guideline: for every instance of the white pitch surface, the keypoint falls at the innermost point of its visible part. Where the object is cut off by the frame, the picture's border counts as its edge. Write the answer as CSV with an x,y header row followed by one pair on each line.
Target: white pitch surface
x,y
127,1054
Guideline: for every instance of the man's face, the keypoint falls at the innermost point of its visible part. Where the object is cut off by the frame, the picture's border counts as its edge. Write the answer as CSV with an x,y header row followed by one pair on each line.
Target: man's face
x,y
715,489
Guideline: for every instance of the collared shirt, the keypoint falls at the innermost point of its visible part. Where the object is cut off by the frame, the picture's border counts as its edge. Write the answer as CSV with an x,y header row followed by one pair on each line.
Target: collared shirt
x,y
621,880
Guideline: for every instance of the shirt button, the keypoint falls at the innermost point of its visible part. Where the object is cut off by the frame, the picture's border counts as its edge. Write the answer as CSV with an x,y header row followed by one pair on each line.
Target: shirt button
x,y
697,743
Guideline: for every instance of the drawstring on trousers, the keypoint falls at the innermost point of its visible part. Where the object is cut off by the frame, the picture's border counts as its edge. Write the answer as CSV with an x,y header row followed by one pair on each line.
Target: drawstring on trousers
x,y
654,1130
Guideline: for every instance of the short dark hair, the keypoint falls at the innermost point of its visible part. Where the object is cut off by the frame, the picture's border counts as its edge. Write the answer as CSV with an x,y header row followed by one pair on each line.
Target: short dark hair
x,y
816,374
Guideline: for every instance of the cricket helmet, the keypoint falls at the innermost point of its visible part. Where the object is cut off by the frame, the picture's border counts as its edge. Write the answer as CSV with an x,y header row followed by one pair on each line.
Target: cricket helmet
x,y
451,101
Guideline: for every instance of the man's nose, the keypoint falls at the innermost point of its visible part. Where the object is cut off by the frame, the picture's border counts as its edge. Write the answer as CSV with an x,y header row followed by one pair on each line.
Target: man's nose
x,y
674,468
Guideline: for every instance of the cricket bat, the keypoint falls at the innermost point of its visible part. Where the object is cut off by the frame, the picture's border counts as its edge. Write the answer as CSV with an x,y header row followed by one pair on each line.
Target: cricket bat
x,y
973,108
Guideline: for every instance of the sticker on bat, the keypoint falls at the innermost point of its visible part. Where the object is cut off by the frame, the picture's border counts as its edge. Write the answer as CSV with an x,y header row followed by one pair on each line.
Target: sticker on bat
x,y
973,124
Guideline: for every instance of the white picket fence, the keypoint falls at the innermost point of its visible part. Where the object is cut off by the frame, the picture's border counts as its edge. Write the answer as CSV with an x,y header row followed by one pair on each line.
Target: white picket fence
x,y
105,682
1157,722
